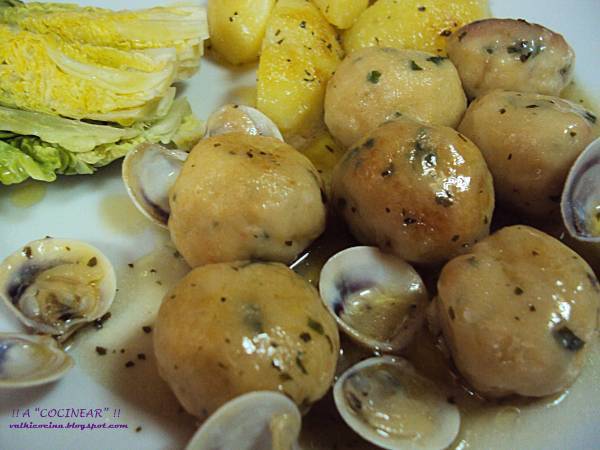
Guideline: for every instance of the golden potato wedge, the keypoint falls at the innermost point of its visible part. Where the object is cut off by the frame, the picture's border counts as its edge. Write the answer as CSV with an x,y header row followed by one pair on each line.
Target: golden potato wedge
x,y
300,53
342,13
414,24
324,153
237,27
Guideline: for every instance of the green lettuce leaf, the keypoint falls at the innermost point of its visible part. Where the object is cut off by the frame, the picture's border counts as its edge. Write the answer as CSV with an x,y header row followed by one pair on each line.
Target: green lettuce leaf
x,y
72,135
23,157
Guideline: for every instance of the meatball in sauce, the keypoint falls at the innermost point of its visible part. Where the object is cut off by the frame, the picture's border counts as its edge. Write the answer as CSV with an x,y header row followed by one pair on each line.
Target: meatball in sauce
x,y
421,192
513,55
378,84
519,313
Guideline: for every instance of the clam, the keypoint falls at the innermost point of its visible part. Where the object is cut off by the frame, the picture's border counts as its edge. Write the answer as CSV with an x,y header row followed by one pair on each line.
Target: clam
x,y
377,299
27,360
258,420
149,171
241,118
389,404
56,286
580,203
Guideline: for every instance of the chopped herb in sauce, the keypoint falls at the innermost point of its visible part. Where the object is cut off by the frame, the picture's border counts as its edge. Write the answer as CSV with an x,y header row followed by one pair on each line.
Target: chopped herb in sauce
x,y
306,337
414,65
147,329
590,117
568,339
99,323
92,262
101,351
316,326
437,60
374,76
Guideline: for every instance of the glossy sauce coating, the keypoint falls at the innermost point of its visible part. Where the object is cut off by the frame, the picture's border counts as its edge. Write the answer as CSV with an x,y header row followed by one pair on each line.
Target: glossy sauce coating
x,y
513,55
519,313
530,142
228,329
243,197
423,193
378,84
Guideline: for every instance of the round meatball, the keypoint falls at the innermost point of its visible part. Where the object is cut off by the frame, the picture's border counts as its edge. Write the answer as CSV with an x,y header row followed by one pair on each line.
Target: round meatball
x,y
231,328
378,84
519,313
512,55
242,197
530,142
421,192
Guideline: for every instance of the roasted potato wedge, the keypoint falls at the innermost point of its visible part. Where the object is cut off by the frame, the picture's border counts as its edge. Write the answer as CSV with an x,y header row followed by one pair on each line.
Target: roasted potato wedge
x,y
414,24
299,55
237,27
342,13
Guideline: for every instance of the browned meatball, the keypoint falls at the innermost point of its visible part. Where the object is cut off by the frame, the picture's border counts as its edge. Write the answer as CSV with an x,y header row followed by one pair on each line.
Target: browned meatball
x,y
378,84
530,142
519,313
228,329
512,55
419,191
243,197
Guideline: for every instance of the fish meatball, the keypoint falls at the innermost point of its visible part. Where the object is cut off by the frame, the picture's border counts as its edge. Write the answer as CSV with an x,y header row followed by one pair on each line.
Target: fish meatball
x,y
530,142
378,84
519,313
421,192
231,328
513,55
242,197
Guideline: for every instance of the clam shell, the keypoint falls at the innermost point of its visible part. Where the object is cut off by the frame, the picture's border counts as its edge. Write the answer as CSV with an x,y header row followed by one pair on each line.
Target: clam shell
x,y
386,402
149,171
580,202
258,420
55,286
27,361
377,299
241,118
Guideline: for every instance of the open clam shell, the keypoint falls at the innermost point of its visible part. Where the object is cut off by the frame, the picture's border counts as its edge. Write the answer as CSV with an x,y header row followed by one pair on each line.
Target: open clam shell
x,y
580,203
55,286
241,118
258,420
377,299
389,404
27,361
149,171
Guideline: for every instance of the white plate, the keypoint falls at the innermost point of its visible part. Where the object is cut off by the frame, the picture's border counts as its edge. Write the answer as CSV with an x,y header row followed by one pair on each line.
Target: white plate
x,y
94,209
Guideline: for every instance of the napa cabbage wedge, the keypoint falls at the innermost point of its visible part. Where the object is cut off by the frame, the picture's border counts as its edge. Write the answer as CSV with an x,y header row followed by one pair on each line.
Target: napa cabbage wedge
x,y
181,27
39,146
44,74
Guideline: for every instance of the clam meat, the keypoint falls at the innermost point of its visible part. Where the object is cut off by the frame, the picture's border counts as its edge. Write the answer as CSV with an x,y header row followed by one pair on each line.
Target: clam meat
x,y
258,420
389,404
55,286
27,360
377,299
580,203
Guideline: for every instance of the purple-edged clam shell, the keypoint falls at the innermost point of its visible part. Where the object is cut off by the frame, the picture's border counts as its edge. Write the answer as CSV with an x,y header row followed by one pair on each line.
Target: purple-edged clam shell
x,y
580,203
